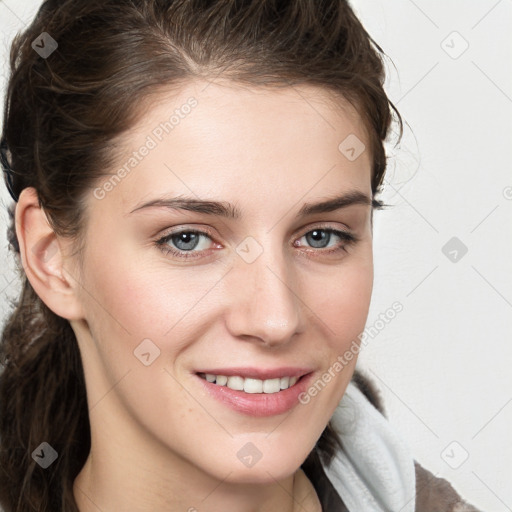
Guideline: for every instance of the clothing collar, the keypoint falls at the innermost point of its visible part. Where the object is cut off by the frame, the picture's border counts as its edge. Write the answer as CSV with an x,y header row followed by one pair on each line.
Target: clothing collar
x,y
375,470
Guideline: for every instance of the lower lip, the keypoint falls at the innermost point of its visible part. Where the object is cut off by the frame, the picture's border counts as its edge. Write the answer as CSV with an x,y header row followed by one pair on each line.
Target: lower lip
x,y
259,404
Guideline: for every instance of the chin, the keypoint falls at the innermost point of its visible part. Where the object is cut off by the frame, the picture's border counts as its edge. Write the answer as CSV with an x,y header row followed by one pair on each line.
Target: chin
x,y
265,465
261,474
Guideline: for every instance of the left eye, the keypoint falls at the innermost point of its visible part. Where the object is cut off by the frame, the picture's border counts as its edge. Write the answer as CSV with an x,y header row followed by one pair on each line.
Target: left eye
x,y
188,240
319,236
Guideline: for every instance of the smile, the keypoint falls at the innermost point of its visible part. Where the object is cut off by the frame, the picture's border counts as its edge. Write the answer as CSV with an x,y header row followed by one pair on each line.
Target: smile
x,y
250,385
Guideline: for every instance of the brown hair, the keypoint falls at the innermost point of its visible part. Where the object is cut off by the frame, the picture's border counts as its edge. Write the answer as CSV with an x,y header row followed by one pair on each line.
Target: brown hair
x,y
62,113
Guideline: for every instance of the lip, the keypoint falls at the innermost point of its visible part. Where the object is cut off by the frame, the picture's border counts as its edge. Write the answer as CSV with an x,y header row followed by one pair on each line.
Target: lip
x,y
258,404
259,373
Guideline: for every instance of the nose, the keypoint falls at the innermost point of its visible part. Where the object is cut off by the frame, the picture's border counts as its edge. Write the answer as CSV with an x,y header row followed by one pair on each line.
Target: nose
x,y
265,303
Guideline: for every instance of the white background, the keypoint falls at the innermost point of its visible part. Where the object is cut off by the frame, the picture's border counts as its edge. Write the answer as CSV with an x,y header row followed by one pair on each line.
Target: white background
x,y
443,363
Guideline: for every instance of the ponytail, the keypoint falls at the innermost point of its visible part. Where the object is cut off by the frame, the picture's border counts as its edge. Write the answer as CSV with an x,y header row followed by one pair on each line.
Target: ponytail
x,y
42,400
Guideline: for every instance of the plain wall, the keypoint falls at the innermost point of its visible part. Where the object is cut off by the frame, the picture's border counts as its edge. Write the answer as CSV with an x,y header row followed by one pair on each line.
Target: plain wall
x,y
442,363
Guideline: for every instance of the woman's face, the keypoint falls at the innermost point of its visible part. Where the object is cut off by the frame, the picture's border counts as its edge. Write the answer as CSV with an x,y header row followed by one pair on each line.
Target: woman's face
x,y
169,292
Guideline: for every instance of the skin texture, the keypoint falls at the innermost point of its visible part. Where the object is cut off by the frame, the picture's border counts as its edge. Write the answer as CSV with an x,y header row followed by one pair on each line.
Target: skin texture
x,y
159,442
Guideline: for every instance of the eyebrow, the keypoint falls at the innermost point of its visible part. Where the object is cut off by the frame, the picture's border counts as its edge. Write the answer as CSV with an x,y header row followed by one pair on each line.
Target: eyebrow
x,y
230,211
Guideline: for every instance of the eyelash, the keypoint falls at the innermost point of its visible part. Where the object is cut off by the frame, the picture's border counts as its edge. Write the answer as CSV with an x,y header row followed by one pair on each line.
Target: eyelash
x,y
162,243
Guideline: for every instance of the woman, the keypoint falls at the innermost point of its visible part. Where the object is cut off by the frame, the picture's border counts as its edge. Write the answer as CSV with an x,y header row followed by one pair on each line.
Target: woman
x,y
194,185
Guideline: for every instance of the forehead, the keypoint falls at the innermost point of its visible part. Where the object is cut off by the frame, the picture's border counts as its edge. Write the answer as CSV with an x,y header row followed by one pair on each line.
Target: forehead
x,y
204,138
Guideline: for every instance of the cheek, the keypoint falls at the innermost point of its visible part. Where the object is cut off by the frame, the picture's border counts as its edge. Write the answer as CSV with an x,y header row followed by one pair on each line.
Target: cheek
x,y
344,301
342,309
132,298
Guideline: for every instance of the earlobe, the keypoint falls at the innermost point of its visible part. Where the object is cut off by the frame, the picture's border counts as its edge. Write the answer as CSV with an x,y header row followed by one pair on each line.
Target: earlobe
x,y
41,252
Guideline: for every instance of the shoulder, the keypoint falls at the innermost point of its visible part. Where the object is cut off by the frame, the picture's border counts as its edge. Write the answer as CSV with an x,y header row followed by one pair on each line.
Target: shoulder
x,y
432,493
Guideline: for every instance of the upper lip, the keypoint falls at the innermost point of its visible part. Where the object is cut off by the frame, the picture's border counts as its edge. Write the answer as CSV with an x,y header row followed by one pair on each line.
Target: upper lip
x,y
259,373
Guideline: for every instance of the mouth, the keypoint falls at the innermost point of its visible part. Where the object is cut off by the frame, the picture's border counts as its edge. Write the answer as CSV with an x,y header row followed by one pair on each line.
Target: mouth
x,y
252,385
254,392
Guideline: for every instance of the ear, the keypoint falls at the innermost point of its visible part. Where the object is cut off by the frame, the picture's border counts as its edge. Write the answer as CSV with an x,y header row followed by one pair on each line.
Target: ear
x,y
42,256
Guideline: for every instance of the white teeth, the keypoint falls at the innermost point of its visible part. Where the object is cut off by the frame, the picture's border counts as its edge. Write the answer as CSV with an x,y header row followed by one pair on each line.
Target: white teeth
x,y
249,385
253,385
235,382
271,385
222,380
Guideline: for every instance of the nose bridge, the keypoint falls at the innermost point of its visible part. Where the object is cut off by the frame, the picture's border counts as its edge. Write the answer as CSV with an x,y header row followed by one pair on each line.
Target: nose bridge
x,y
265,304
